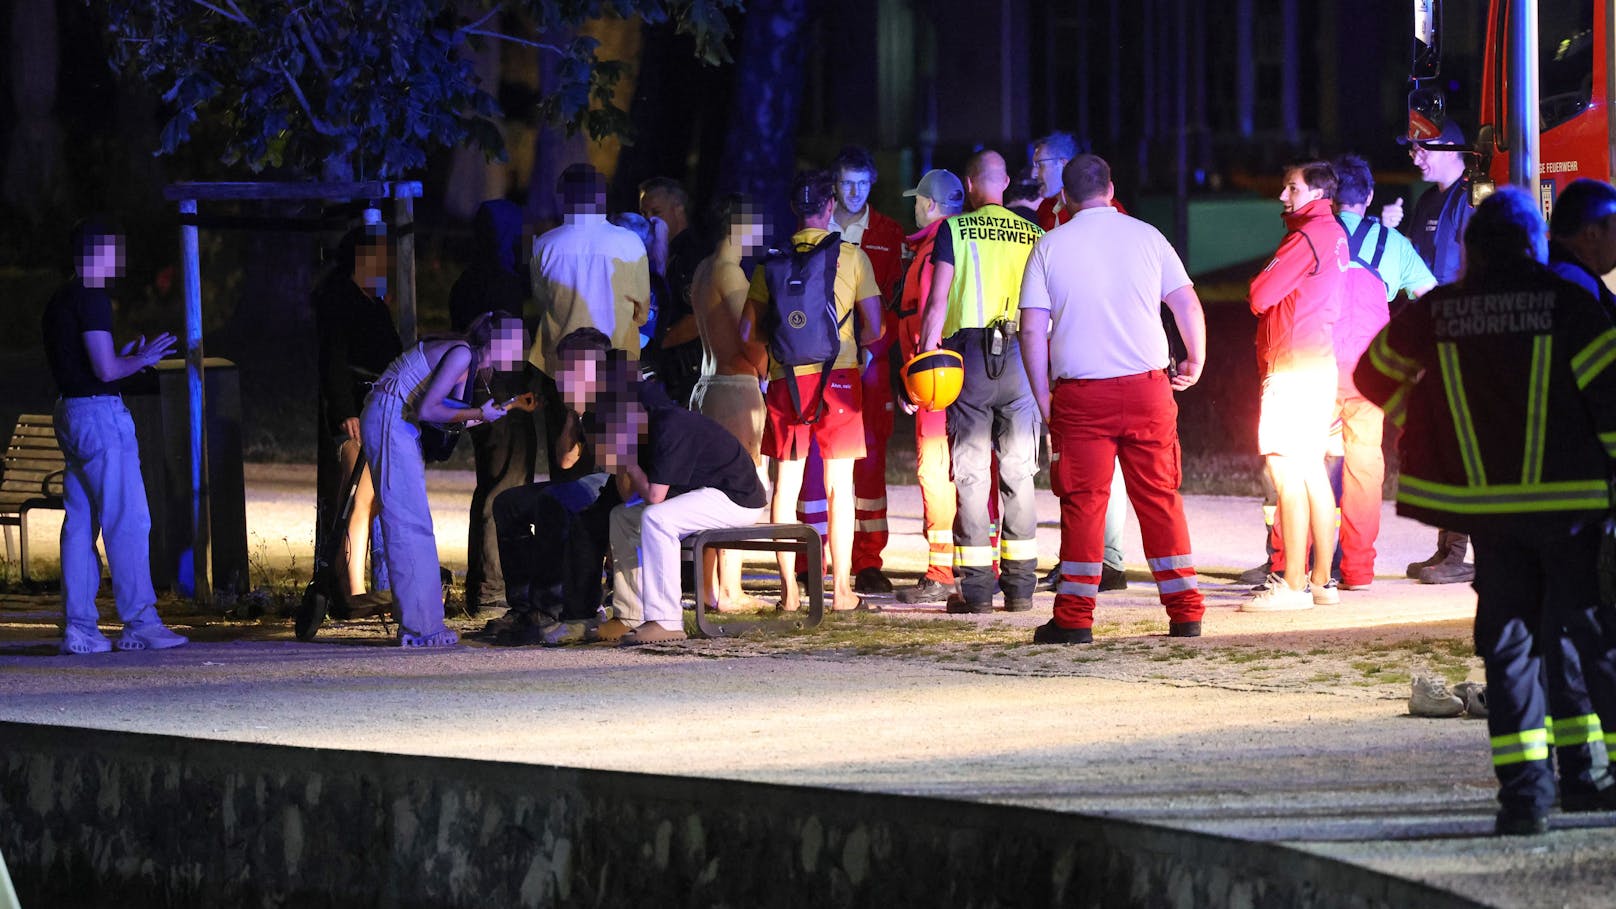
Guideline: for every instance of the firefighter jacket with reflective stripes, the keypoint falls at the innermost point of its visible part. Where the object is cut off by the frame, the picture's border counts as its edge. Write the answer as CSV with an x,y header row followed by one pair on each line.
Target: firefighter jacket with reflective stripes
x,y
1506,395
1297,296
990,248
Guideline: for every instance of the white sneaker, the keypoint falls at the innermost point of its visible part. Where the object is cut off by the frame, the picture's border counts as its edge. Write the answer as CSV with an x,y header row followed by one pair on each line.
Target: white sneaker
x,y
1327,595
1279,598
1430,697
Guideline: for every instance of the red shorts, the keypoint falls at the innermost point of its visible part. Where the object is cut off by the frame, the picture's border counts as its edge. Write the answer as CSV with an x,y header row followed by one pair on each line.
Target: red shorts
x,y
839,429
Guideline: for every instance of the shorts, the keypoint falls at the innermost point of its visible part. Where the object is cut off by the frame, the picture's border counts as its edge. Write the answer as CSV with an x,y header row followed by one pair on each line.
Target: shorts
x,y
1297,409
839,429
735,403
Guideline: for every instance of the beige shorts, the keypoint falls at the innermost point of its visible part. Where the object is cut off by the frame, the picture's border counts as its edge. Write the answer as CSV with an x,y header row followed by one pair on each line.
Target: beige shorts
x,y
1297,410
735,403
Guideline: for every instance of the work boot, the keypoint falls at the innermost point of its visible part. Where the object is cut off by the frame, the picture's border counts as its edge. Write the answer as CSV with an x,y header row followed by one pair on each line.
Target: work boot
x,y
1449,571
1255,576
1184,629
1051,580
1051,633
958,606
1579,798
1112,579
925,590
1515,823
1443,548
871,580
1430,697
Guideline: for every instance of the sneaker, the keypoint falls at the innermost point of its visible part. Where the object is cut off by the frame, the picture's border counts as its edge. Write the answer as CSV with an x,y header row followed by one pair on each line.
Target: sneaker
x,y
1451,571
650,633
925,590
1050,633
1269,580
1184,629
607,632
1112,579
871,580
76,640
1278,597
958,606
1474,695
444,638
1430,697
150,636
1017,604
1327,595
1254,576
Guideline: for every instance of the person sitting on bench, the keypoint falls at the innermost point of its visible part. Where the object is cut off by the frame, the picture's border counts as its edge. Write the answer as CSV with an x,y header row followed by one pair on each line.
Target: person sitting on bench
x,y
678,472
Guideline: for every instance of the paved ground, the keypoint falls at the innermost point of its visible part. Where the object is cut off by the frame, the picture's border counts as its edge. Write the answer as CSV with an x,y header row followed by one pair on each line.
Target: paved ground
x,y
1287,727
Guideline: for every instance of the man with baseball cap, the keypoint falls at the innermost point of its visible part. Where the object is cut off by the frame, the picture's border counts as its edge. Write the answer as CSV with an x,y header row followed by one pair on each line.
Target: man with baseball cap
x,y
938,196
1436,227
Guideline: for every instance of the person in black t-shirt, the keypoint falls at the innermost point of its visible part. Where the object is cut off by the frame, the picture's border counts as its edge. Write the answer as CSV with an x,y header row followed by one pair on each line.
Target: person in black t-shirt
x,y
102,488
357,340
675,342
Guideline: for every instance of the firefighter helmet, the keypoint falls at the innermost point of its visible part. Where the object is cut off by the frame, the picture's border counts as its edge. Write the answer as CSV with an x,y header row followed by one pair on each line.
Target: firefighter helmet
x,y
933,379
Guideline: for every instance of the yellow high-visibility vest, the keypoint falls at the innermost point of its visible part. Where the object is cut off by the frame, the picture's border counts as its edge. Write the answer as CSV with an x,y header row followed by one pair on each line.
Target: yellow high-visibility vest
x,y
991,246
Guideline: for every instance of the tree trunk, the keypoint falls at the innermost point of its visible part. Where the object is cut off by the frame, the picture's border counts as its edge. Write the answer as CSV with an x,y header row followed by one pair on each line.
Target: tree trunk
x,y
760,149
36,138
472,177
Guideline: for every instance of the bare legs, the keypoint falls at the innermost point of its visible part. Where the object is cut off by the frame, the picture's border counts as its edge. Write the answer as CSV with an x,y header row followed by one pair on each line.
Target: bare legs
x,y
1306,510
839,493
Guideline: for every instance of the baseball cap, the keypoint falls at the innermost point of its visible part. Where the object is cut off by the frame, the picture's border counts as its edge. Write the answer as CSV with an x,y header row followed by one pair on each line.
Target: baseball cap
x,y
1450,134
941,187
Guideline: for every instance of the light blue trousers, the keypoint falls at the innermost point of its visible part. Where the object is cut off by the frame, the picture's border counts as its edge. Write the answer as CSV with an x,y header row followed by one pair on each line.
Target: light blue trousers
x,y
393,450
103,494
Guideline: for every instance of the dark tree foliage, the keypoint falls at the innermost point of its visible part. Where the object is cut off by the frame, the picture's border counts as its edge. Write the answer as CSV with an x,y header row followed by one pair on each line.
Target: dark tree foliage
x,y
365,89
760,155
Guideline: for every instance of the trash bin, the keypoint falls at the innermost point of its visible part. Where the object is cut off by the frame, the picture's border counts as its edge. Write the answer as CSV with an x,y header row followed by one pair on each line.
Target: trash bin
x,y
157,400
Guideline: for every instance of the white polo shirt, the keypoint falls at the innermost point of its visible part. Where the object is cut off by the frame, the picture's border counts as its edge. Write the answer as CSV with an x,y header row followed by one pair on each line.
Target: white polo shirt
x,y
1102,277
588,272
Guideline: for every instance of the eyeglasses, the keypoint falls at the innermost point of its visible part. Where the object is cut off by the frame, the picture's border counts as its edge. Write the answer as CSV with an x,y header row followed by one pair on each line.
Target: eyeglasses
x,y
1040,162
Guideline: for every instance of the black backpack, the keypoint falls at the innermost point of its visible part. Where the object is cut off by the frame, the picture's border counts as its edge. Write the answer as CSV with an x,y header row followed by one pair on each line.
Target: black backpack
x,y
1356,240
801,321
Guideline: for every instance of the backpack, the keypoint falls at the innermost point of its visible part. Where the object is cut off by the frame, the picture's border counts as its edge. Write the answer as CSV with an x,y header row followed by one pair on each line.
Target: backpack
x,y
1355,244
801,323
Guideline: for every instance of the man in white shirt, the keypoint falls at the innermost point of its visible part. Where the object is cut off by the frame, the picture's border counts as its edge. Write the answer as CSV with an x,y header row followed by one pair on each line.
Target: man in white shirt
x,y
1090,319
587,273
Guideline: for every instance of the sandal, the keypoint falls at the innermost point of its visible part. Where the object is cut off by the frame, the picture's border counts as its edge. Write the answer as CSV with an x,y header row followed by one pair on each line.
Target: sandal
x,y
443,638
80,641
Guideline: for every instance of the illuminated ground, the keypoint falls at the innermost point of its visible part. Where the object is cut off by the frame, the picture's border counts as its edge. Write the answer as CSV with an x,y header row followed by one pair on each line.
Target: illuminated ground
x,y
1287,727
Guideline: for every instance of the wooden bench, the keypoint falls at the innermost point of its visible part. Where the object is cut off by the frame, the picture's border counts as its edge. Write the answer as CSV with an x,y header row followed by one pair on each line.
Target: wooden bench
x,y
30,478
798,538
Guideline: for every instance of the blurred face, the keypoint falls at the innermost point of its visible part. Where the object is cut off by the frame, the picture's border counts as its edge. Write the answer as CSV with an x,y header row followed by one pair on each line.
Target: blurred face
x,y
1296,193
1439,167
617,445
579,378
507,345
102,261
853,190
1047,168
746,232
370,268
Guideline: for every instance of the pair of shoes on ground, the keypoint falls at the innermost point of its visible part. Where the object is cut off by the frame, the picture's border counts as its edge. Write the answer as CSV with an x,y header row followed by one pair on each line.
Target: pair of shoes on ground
x,y
1051,633
957,605
1277,596
1429,697
145,636
1110,579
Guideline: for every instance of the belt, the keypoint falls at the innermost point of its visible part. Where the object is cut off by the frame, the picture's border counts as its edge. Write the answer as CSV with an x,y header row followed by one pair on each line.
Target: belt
x,y
1115,380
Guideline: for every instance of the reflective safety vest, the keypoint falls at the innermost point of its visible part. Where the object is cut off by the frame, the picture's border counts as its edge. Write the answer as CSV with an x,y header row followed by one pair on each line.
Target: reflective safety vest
x,y
991,246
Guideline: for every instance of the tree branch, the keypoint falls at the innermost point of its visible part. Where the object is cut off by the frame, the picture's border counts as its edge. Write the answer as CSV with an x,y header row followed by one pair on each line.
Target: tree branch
x,y
308,42
514,40
237,16
489,15
320,126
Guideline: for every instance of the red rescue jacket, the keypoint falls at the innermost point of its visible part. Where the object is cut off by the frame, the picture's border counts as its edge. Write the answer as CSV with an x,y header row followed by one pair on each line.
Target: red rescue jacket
x,y
1297,297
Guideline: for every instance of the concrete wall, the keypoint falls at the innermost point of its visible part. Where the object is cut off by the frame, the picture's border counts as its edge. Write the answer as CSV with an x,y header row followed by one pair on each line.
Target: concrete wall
x,y
113,818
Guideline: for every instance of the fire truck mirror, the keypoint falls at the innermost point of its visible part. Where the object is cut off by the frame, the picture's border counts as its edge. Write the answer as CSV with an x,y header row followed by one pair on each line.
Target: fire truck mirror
x,y
1427,56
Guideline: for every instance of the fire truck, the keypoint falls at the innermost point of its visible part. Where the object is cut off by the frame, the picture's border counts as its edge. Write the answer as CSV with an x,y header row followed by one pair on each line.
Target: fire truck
x,y
1570,88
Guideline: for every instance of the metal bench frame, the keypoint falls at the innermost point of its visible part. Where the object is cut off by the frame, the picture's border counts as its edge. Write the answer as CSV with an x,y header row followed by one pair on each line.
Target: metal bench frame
x,y
798,538
31,478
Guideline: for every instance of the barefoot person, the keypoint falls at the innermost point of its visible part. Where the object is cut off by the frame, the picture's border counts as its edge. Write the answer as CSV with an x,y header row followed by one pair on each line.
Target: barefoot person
x,y
102,488
728,391
425,384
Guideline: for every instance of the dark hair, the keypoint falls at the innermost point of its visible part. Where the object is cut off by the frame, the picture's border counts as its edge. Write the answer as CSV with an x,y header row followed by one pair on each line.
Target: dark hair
x,y
1060,144
1085,177
1024,186
1317,175
1581,203
729,209
853,157
1506,228
83,235
811,191
480,334
581,186
1355,183
584,339
671,187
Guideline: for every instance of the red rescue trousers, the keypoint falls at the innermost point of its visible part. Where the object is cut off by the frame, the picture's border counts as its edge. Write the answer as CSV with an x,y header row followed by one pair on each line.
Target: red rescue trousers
x,y
1094,423
1363,468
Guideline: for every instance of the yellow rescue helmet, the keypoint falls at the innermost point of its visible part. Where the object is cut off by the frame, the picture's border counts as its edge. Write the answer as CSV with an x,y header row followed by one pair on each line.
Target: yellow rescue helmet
x,y
933,379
